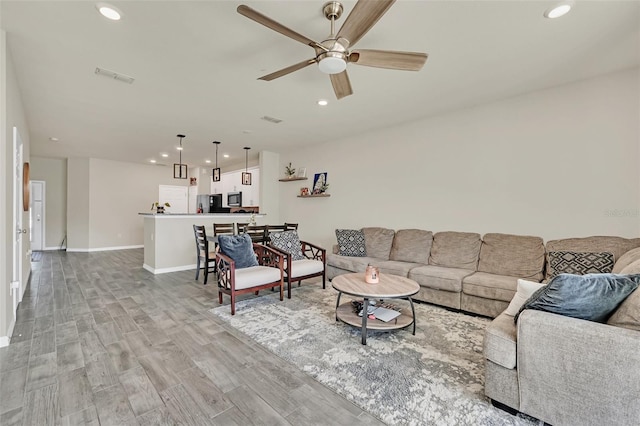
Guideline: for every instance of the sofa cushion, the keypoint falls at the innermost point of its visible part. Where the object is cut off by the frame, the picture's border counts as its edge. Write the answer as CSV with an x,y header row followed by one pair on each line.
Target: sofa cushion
x,y
591,297
300,268
455,250
351,242
256,275
440,278
394,267
490,286
411,245
500,341
571,262
349,263
512,255
616,245
626,259
239,248
378,242
632,268
524,291
628,313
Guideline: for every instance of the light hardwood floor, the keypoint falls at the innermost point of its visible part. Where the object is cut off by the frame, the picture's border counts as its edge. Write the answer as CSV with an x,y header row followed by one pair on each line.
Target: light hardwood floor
x,y
99,340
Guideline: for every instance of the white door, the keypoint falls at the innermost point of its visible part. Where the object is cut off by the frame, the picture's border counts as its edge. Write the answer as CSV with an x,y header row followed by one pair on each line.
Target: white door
x,y
36,215
16,282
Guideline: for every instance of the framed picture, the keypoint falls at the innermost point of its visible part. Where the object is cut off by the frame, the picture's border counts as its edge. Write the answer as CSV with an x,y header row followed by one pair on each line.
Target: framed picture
x,y
193,181
216,174
319,182
246,178
179,171
302,172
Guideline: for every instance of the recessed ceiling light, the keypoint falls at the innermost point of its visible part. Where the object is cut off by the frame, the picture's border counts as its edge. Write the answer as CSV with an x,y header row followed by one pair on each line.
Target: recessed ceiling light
x,y
152,161
52,139
179,148
558,10
226,155
207,161
323,102
109,11
165,155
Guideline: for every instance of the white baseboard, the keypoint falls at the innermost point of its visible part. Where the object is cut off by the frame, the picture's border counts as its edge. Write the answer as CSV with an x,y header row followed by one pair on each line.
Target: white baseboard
x,y
166,270
4,340
91,250
56,248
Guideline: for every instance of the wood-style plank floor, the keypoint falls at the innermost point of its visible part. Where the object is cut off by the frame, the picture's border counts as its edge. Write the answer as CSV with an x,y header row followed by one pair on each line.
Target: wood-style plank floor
x,y
100,341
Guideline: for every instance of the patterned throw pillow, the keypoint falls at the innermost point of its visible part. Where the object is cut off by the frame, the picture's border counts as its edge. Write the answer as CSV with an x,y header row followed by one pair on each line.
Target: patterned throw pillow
x,y
287,241
351,242
569,262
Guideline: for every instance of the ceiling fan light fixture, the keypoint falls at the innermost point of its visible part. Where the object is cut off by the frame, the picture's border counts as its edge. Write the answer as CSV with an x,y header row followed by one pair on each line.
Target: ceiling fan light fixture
x,y
558,10
332,63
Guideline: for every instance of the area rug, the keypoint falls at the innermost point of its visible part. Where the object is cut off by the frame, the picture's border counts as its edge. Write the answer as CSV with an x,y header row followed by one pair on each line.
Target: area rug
x,y
433,378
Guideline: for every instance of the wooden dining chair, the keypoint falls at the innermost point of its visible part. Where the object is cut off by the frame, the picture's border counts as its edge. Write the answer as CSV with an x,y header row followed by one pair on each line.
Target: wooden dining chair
x,y
202,253
290,226
258,233
240,227
275,228
223,228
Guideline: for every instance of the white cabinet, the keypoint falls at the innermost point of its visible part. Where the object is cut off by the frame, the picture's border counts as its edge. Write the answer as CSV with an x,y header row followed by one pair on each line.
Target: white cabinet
x,y
232,182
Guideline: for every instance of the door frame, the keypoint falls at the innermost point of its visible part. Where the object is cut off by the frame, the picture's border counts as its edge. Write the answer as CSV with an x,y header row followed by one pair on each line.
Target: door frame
x,y
16,277
43,226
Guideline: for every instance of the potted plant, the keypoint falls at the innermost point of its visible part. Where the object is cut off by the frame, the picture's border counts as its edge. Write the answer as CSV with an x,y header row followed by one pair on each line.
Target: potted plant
x,y
289,171
159,207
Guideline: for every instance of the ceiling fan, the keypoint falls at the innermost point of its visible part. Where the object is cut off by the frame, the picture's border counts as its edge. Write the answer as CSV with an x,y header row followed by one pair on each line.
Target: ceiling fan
x,y
333,54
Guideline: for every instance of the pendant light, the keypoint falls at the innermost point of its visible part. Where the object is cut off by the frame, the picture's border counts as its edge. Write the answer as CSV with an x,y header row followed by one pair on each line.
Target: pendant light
x,y
180,170
246,176
216,172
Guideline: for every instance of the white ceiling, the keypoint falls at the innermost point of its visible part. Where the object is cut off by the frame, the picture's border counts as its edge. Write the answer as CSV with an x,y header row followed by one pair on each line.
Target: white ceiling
x,y
196,66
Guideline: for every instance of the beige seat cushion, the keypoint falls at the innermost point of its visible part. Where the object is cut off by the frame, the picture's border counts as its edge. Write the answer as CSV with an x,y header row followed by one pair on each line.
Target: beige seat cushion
x,y
378,242
490,286
256,275
500,341
300,268
512,255
628,313
455,250
626,259
349,263
394,267
440,278
411,245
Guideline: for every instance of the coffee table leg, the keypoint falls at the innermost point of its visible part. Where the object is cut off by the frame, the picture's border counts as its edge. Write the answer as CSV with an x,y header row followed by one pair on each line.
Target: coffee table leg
x,y
365,310
338,304
413,312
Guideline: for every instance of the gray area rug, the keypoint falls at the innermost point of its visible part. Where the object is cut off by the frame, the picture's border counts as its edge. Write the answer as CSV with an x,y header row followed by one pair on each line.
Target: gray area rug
x,y
433,378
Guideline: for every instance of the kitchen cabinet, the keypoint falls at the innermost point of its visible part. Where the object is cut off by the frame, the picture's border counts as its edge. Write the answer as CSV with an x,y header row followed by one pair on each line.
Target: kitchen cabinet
x,y
232,182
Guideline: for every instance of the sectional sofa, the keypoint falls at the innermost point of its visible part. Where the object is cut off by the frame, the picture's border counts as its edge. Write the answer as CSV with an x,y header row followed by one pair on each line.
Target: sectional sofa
x,y
462,270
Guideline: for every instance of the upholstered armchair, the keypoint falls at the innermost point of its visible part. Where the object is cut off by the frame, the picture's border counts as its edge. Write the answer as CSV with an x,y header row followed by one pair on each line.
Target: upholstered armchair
x,y
234,280
302,260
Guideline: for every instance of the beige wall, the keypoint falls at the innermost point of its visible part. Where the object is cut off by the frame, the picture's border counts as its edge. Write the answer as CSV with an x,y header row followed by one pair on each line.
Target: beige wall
x,y
11,114
54,172
554,163
78,220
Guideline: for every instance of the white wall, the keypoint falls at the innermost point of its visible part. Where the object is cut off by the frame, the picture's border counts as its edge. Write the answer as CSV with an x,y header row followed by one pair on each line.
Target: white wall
x,y
554,163
11,114
54,172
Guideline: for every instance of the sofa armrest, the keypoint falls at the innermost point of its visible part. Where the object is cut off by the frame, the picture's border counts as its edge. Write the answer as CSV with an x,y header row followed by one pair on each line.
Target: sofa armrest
x,y
577,372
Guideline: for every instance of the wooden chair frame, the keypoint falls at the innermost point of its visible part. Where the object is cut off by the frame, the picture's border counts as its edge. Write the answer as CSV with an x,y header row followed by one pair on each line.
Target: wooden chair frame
x,y
226,267
202,252
310,251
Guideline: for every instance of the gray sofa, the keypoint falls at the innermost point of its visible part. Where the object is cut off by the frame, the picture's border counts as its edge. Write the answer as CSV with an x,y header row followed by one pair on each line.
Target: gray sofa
x,y
458,270
568,371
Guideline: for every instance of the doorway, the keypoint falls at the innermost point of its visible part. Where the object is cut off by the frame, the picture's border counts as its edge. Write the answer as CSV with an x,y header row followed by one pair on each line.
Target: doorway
x,y
18,188
36,215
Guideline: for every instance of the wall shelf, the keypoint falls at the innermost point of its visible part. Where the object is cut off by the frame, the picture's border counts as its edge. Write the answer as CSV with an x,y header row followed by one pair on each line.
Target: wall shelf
x,y
292,179
314,195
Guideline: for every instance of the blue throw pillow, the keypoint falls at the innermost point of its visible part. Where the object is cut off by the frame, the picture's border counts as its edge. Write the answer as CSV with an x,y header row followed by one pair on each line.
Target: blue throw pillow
x,y
239,248
591,297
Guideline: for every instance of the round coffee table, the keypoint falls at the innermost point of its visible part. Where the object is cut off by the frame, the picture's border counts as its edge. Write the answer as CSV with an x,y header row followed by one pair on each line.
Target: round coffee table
x,y
389,287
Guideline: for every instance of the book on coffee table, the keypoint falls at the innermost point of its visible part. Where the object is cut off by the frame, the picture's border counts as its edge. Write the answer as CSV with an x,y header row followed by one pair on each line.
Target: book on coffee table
x,y
386,315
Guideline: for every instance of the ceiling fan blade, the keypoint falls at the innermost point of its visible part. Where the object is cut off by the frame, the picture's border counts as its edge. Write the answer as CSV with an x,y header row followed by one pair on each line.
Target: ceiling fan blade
x,y
276,26
407,61
363,16
341,84
288,70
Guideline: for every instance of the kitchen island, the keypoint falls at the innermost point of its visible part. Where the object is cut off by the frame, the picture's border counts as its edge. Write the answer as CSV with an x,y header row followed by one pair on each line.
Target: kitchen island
x,y
169,242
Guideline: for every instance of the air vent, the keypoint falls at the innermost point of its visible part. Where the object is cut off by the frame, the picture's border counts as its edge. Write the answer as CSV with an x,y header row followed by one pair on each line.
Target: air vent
x,y
114,75
271,119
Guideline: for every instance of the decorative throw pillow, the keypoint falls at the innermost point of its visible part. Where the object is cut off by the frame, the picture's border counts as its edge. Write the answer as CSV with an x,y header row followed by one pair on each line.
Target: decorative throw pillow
x,y
569,262
524,292
239,248
351,242
289,242
592,297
